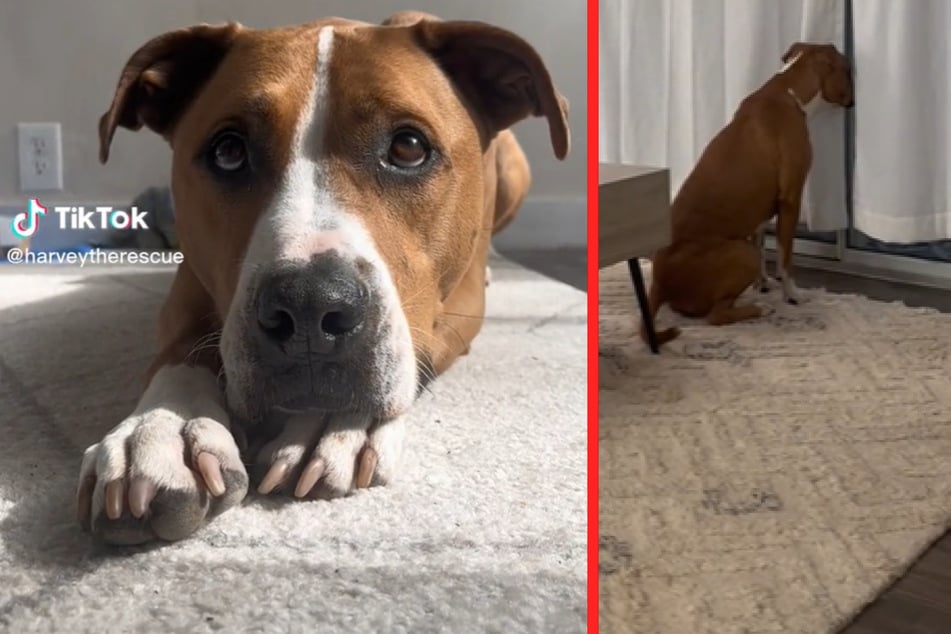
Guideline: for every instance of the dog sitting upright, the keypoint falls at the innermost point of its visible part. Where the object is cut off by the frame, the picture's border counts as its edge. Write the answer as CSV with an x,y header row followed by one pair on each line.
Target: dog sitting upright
x,y
336,185
752,170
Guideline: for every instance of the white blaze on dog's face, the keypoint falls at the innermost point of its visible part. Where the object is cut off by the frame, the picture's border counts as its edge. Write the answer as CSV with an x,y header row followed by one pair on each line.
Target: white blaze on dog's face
x,y
328,181
313,280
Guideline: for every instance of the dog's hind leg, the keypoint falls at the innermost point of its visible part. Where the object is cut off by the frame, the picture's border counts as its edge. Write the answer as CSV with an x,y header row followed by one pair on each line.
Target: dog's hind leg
x,y
507,184
654,302
656,297
738,269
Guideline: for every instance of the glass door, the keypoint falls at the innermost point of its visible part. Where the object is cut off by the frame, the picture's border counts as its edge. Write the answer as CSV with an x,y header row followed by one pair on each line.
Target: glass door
x,y
925,262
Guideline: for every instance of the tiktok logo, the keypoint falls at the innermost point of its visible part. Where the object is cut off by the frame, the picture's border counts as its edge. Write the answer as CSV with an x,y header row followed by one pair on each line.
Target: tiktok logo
x,y
25,224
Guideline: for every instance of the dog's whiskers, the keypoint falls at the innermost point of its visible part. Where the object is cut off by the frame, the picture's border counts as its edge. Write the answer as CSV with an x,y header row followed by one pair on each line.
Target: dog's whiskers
x,y
209,341
451,329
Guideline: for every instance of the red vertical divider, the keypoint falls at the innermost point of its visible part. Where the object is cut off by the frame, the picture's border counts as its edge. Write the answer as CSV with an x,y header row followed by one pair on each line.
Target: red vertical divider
x,y
592,316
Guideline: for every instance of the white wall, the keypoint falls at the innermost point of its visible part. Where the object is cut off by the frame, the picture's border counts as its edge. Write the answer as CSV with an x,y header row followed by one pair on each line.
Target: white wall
x,y
59,61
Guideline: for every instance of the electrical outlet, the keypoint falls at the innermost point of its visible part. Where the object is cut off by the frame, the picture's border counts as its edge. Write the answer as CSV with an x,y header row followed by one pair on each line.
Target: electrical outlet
x,y
41,156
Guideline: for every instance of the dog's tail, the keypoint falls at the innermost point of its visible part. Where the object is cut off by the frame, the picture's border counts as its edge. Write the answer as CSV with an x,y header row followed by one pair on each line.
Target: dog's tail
x,y
655,300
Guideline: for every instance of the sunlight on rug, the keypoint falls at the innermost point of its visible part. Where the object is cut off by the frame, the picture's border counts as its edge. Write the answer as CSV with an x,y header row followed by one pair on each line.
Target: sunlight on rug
x,y
769,476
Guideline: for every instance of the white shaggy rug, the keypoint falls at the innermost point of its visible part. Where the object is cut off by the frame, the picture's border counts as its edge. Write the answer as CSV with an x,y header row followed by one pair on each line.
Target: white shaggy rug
x,y
484,532
772,475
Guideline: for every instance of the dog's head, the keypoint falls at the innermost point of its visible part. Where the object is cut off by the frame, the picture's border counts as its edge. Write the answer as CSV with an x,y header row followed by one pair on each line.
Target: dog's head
x,y
328,189
829,69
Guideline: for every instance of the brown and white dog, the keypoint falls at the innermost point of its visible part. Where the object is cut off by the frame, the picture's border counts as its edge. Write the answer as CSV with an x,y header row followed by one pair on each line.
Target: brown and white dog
x,y
336,186
753,170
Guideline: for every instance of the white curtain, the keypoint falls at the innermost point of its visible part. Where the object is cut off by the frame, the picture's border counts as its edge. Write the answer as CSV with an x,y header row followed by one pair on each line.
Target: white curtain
x,y
902,175
673,72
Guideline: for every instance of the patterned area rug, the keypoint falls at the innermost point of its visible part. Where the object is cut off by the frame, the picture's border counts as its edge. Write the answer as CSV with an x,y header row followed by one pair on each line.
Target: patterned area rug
x,y
768,476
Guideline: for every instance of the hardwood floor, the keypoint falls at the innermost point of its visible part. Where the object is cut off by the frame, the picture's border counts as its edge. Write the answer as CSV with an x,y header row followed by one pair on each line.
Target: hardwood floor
x,y
918,603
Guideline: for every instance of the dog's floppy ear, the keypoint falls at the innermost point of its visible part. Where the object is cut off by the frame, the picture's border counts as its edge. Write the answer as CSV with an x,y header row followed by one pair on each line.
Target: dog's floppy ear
x,y
828,54
795,49
161,78
822,56
406,18
499,73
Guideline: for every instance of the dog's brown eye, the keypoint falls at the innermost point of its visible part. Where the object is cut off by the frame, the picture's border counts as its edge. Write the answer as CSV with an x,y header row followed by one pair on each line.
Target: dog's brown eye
x,y
408,149
229,152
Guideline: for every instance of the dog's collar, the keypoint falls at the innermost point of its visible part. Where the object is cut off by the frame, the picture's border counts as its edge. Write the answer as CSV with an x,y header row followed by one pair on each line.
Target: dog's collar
x,y
799,104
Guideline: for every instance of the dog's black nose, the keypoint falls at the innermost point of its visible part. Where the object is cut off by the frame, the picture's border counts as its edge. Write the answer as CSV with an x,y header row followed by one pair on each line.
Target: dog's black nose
x,y
318,308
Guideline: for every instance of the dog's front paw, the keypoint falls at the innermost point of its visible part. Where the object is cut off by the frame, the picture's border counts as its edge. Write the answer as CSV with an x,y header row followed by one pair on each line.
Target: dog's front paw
x,y
329,460
764,283
791,293
158,476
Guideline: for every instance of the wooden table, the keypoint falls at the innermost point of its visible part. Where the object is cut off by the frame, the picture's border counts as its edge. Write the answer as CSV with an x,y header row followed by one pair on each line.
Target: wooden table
x,y
633,222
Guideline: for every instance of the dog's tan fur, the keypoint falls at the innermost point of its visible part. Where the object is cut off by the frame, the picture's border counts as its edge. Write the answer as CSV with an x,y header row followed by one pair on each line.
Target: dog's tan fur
x,y
753,170
429,234
272,68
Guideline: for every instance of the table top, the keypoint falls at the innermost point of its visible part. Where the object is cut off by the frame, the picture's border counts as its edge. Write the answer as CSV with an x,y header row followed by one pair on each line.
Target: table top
x,y
633,211
613,172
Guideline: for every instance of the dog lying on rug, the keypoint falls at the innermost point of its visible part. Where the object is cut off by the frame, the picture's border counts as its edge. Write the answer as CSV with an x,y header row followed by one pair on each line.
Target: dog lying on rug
x,y
336,185
753,170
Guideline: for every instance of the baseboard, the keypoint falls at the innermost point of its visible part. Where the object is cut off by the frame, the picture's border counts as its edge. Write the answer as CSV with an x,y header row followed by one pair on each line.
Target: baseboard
x,y
547,223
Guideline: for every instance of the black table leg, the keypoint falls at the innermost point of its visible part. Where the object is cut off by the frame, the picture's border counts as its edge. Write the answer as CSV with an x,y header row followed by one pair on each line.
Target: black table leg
x,y
641,291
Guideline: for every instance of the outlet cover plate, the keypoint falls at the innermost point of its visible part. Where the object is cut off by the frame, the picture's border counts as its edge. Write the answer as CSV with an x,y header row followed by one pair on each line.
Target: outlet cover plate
x,y
40,156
